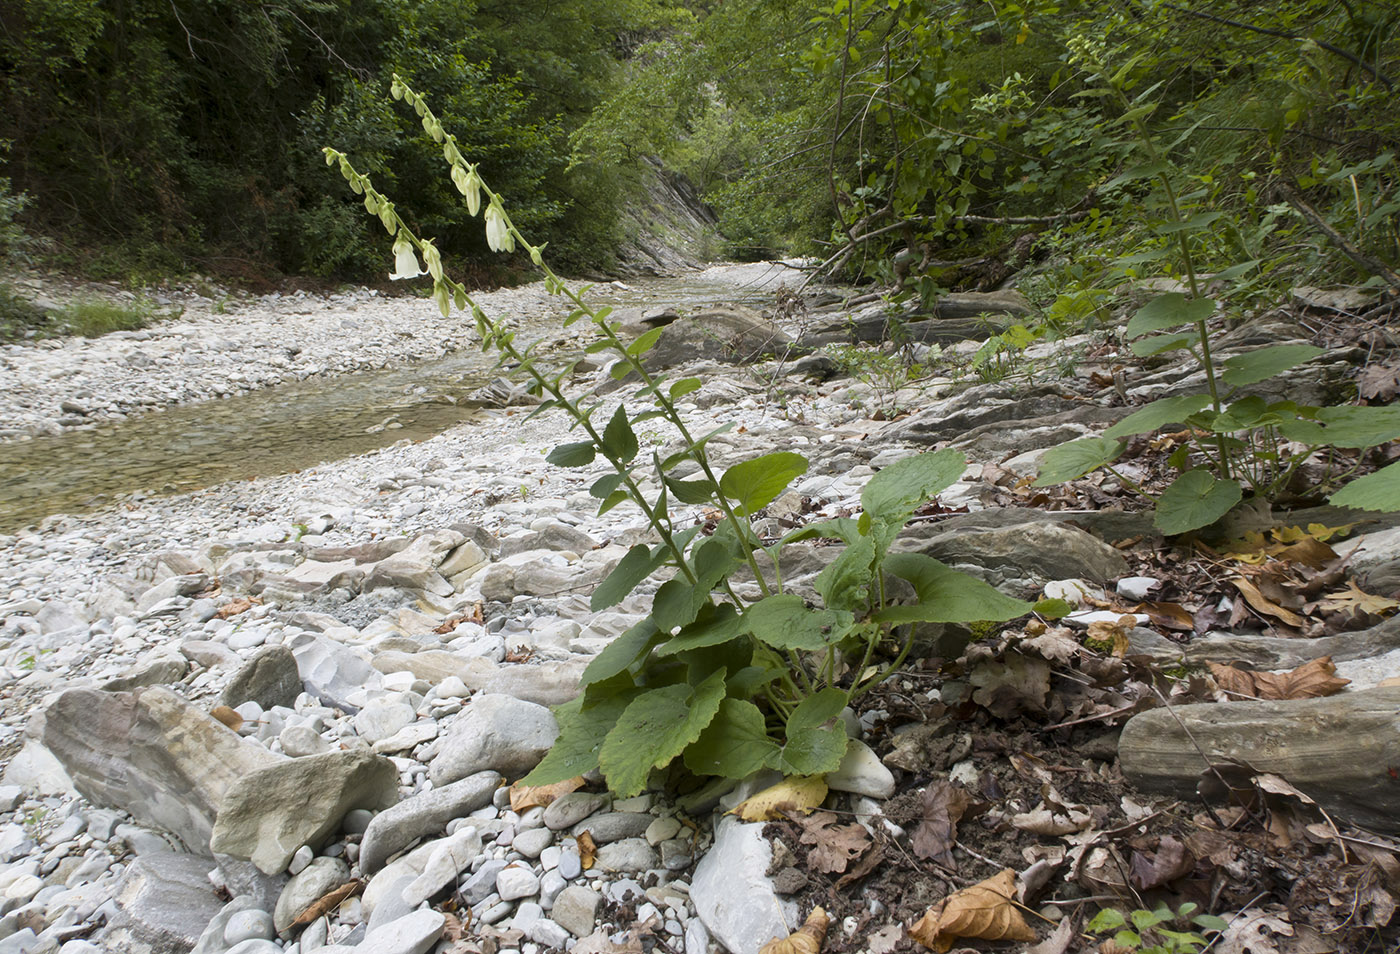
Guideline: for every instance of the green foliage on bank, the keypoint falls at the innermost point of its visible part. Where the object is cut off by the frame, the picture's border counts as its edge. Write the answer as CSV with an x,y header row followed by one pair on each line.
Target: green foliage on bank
x,y
168,136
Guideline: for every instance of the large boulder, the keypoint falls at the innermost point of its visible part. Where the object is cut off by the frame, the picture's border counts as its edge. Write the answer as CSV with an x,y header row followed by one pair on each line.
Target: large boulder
x,y
426,813
496,733
164,900
151,754
270,813
270,679
730,335
1339,750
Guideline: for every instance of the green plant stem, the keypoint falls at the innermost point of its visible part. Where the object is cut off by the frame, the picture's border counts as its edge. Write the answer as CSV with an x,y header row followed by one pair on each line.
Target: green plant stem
x,y
1188,261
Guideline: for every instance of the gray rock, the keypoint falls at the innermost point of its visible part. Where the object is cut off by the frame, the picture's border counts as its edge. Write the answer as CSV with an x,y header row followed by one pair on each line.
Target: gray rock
x,y
548,933
255,945
482,883
732,893
530,843
300,740
171,587
546,685
270,679
414,934
732,335
861,772
449,858
697,938
576,910
390,879
212,940
270,813
149,753
157,672
628,854
380,720
243,879
427,813
1338,750
614,826
1038,549
332,672
568,810
495,732
249,925
164,900
318,879
570,864
516,881
392,905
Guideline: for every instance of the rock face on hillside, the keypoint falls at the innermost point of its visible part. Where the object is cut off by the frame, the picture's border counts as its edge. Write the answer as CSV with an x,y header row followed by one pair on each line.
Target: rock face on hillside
x,y
668,226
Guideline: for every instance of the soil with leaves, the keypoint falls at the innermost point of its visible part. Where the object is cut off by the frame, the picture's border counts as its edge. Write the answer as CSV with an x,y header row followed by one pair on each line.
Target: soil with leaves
x,y
1014,823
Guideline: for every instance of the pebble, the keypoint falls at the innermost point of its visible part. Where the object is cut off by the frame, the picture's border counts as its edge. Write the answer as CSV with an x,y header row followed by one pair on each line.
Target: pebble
x,y
381,605
515,882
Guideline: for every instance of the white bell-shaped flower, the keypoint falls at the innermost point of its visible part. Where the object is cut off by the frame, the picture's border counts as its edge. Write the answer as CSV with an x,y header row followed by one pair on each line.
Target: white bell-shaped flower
x,y
498,235
405,262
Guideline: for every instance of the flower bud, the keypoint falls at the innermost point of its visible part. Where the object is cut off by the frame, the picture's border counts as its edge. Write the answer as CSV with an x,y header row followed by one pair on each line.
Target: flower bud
x,y
432,260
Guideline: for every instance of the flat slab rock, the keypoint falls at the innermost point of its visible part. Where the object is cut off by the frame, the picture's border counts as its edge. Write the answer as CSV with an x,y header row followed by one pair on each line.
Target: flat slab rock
x,y
1341,750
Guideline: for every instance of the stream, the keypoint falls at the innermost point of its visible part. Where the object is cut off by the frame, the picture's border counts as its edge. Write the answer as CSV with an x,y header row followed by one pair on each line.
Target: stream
x,y
293,426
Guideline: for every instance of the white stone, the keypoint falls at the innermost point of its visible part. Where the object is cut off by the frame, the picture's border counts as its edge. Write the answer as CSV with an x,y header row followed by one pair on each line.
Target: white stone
x,y
861,772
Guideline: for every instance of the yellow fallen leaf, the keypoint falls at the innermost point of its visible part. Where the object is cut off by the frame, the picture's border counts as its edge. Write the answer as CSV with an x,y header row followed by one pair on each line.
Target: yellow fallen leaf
x,y
805,940
1354,599
1392,681
1115,633
797,794
985,911
525,797
587,850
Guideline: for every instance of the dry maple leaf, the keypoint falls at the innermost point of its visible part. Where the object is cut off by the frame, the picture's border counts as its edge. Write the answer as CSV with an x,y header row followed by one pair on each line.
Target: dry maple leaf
x,y
797,794
835,845
525,797
1353,600
805,940
1312,680
984,911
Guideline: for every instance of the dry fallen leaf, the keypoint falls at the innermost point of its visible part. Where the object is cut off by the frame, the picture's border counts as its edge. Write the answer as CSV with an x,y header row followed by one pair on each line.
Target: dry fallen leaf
x,y
587,850
1153,869
984,911
1116,633
228,717
1059,940
1263,604
805,940
945,803
240,605
524,797
1353,600
326,904
797,794
834,845
1312,680
1045,821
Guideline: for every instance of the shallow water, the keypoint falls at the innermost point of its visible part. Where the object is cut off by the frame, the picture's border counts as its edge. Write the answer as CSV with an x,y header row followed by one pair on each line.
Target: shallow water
x,y
297,425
